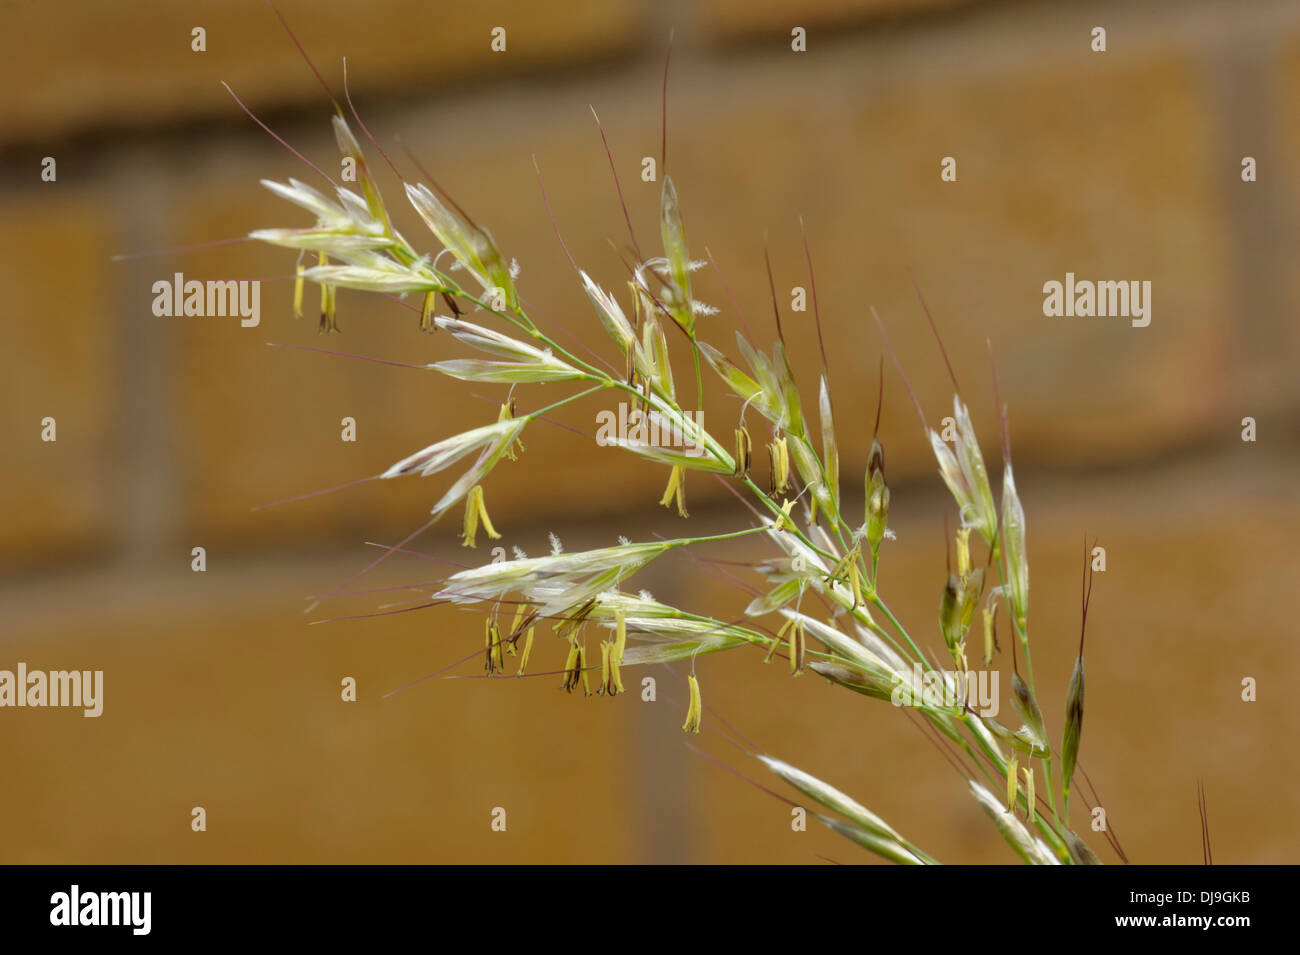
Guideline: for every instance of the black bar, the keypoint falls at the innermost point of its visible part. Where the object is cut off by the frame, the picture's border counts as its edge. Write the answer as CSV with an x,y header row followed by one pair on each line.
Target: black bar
x,y
435,905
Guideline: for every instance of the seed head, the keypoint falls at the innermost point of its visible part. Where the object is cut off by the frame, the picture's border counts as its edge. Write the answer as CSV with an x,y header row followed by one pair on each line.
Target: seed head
x,y
472,247
611,315
1074,692
950,612
1030,849
832,798
1079,850
877,498
678,260
962,469
1013,546
1073,727
853,678
1026,707
827,487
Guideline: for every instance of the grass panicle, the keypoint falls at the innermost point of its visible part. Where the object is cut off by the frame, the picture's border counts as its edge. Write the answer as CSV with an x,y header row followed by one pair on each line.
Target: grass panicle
x,y
814,597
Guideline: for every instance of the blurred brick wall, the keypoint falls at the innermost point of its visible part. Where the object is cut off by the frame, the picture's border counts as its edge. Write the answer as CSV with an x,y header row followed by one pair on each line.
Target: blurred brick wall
x,y
1123,165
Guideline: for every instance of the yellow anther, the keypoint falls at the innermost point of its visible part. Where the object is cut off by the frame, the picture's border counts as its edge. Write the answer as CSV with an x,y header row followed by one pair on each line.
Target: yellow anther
x,y
475,511
582,667
744,452
797,645
604,668
492,643
426,313
1012,783
528,649
572,668
507,412
695,708
327,321
620,637
779,453
676,490
990,635
297,292
963,552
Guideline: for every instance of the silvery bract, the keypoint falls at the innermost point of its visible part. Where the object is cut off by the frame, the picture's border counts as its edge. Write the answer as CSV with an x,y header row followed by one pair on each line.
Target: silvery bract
x,y
962,469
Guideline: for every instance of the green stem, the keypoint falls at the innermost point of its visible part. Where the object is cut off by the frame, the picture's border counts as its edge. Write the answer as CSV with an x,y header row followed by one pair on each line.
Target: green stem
x,y
534,415
699,377
1051,791
880,605
729,535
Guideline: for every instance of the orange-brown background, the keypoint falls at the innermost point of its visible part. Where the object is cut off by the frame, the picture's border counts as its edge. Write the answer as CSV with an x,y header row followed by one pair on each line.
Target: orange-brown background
x,y
219,691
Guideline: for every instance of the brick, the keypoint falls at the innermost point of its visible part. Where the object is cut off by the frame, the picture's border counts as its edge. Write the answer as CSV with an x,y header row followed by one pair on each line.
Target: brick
x,y
255,732
221,695
1168,646
1035,198
104,75
1272,245
857,157
261,424
59,361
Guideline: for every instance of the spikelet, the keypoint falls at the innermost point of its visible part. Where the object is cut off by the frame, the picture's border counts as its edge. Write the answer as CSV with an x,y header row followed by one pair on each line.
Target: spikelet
x,y
1026,707
1073,729
1074,693
877,499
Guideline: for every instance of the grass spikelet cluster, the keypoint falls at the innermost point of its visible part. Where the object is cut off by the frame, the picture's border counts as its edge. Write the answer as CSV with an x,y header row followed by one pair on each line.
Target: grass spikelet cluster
x,y
817,555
